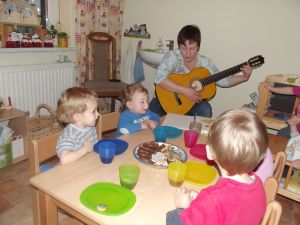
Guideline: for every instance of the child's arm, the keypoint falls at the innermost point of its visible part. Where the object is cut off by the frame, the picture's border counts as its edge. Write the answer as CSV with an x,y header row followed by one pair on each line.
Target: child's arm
x,y
279,90
294,123
71,156
126,125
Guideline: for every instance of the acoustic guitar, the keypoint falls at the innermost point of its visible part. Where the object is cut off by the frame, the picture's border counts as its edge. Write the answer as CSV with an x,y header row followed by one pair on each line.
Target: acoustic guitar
x,y
202,81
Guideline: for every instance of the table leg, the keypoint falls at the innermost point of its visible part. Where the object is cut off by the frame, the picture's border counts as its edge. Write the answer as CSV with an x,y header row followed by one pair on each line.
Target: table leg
x,y
48,210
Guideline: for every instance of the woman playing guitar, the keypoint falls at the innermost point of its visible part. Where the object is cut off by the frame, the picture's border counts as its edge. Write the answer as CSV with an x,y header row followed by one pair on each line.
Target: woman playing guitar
x,y
182,61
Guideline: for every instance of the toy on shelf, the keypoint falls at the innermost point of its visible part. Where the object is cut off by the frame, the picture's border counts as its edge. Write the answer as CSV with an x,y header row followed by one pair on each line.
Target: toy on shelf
x,y
5,105
137,31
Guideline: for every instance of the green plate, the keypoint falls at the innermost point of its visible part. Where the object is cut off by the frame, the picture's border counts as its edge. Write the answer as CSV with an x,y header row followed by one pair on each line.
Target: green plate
x,y
115,198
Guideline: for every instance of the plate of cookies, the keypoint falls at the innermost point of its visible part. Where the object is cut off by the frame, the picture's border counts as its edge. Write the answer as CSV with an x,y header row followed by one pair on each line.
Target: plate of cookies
x,y
159,154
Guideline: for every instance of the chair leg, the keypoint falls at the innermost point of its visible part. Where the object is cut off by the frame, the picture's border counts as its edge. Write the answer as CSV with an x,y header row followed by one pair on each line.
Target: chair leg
x,y
113,104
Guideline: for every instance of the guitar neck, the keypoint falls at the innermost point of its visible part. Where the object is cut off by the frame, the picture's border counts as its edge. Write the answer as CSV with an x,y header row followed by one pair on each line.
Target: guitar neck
x,y
218,76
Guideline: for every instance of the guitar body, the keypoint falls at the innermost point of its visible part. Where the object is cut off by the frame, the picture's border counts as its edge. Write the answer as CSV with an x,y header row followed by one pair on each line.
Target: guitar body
x,y
169,101
199,79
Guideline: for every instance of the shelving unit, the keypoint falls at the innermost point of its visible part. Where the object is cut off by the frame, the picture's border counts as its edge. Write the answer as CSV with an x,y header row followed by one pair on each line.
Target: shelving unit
x,y
18,122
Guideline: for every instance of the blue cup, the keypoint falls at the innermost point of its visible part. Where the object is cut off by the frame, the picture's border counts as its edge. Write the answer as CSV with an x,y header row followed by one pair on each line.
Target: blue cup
x,y
107,151
160,134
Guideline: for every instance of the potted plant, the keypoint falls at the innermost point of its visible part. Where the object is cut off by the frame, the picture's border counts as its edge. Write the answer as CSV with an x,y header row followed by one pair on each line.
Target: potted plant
x,y
62,39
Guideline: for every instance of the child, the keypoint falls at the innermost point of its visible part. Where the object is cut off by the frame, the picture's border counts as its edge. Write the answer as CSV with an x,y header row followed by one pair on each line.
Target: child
x,y
136,116
77,107
294,122
293,129
237,142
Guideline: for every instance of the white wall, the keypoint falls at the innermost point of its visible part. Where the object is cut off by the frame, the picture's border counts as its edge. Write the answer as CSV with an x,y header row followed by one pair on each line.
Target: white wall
x,y
232,32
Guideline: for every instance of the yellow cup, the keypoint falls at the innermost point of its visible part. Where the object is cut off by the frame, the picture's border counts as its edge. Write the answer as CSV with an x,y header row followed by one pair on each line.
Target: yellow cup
x,y
177,173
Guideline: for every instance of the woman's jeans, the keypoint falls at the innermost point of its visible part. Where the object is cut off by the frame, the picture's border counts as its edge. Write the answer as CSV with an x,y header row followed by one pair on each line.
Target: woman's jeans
x,y
202,108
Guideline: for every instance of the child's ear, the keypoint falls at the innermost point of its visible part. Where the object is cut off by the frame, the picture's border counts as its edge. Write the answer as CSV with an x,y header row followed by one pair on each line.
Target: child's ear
x,y
75,117
209,154
129,104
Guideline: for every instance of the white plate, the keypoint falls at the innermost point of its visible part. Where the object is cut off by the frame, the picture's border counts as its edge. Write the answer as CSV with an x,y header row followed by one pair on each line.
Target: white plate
x,y
160,159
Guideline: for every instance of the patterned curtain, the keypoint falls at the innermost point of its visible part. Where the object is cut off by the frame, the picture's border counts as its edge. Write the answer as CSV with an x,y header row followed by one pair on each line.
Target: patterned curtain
x,y
97,16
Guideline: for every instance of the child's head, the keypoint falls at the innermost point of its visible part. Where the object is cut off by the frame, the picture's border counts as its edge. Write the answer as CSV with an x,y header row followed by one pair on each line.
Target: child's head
x,y
135,98
75,102
237,141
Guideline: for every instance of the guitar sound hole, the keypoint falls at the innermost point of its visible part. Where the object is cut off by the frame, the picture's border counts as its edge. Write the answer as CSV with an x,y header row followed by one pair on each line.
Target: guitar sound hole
x,y
179,102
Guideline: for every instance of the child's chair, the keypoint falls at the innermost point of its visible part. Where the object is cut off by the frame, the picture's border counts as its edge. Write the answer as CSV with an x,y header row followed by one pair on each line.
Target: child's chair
x,y
279,164
40,150
263,111
271,187
107,122
272,214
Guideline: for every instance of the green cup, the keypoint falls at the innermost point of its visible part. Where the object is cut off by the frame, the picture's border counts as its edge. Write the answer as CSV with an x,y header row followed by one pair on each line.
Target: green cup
x,y
129,174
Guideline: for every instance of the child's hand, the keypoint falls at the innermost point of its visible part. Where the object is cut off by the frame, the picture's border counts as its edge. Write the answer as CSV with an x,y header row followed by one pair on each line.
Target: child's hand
x,y
296,163
144,125
293,121
183,197
151,123
88,146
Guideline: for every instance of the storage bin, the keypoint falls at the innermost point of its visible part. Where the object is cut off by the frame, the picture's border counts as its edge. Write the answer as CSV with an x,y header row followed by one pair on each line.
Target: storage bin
x,y
6,158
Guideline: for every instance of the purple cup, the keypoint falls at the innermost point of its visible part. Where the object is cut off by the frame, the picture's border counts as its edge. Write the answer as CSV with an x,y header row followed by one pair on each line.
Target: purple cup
x,y
107,151
190,138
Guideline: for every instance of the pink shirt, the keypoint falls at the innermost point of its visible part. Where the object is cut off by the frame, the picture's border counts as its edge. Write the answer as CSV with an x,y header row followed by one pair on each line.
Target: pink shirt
x,y
227,203
296,91
266,167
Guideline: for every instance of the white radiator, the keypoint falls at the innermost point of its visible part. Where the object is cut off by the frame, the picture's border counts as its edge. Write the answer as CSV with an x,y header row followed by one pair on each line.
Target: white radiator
x,y
29,86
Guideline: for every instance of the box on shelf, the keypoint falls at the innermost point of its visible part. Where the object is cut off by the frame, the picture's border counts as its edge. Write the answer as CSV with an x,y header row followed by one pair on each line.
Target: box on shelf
x,y
6,158
17,148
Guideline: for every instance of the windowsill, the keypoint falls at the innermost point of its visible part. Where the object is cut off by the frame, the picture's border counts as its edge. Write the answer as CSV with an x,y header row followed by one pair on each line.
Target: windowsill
x,y
22,50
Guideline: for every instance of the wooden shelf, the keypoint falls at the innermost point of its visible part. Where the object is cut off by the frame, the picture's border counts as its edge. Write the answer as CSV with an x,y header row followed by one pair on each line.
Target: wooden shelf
x,y
18,122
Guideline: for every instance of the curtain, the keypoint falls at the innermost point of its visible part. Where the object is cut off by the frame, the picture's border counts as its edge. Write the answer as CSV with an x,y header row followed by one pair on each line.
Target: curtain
x,y
97,16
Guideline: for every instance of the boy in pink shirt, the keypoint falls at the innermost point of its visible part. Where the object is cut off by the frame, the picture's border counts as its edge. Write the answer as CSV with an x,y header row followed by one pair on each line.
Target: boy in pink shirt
x,y
237,142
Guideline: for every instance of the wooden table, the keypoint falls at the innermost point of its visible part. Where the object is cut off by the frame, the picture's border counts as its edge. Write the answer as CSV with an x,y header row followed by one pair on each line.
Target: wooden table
x,y
61,187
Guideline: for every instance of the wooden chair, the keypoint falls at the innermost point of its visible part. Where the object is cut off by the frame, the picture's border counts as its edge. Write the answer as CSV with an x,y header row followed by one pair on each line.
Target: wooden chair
x,y
40,150
101,49
279,164
271,187
263,111
107,122
272,214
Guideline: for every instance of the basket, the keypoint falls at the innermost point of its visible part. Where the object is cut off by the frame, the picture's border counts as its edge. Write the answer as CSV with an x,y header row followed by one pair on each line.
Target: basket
x,y
43,125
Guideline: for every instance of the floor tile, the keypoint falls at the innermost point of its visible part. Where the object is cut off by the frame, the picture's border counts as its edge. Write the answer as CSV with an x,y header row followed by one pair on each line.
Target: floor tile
x,y
19,195
5,204
8,186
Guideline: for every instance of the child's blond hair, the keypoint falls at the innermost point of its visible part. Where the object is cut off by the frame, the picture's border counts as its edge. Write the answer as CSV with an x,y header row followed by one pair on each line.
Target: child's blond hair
x,y
238,141
129,91
72,101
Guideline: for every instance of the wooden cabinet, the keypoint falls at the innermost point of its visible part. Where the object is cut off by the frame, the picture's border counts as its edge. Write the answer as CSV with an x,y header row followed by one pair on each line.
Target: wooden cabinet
x,y
18,122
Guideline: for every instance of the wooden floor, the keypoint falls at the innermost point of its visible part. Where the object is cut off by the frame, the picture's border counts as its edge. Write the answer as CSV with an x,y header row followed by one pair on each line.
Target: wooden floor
x,y
15,200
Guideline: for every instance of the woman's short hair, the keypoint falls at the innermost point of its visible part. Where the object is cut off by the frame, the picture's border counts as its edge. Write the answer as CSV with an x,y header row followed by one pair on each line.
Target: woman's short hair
x,y
189,33
238,141
72,101
129,91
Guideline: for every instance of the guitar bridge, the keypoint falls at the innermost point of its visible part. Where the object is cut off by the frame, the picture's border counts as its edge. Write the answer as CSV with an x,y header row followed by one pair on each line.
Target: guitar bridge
x,y
179,102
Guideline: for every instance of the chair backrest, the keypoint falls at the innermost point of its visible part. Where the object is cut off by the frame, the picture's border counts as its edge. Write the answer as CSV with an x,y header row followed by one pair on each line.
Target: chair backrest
x,y
101,55
41,150
272,214
107,122
279,164
262,109
271,187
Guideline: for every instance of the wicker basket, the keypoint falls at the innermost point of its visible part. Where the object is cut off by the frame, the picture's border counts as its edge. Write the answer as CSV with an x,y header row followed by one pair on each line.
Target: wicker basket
x,y
43,125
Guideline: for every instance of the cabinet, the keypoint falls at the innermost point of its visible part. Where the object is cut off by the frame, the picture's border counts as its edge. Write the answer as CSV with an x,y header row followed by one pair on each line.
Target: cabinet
x,y
18,122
